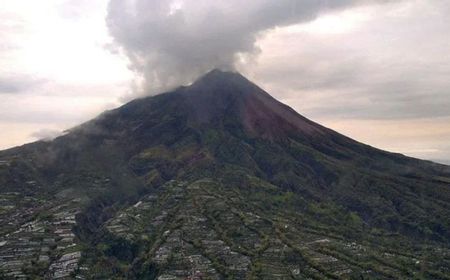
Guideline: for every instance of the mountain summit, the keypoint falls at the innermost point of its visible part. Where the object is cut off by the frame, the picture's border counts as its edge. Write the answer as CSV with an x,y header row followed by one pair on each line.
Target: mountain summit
x,y
219,93
219,180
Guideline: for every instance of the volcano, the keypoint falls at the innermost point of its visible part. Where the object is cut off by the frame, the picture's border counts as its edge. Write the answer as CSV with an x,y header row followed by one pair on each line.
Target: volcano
x,y
219,180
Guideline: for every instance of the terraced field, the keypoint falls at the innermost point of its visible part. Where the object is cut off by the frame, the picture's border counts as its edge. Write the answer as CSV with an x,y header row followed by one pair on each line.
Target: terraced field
x,y
204,230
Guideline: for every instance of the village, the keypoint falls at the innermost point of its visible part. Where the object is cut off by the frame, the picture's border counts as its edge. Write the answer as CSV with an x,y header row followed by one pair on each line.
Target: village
x,y
211,238
37,238
187,231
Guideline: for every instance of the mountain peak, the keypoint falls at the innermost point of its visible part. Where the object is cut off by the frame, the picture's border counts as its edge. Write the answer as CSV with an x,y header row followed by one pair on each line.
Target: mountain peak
x,y
218,74
225,82
219,94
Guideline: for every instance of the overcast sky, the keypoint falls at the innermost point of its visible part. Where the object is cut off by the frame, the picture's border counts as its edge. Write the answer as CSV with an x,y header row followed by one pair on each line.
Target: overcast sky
x,y
377,71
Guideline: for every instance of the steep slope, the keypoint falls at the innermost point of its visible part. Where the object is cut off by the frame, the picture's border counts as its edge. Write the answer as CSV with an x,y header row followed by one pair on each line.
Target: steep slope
x,y
215,180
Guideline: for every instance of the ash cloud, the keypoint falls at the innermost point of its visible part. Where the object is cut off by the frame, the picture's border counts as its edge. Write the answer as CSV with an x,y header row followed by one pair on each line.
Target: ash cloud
x,y
172,42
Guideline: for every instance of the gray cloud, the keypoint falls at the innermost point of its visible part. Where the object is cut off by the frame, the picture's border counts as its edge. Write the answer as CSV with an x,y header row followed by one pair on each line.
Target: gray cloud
x,y
395,65
446,162
171,42
35,116
18,83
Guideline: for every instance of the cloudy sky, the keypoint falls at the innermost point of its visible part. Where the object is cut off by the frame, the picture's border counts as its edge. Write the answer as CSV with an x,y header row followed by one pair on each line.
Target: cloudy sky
x,y
375,70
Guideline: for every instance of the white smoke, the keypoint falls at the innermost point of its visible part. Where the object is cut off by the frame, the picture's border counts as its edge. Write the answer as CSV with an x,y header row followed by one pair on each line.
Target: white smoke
x,y
170,43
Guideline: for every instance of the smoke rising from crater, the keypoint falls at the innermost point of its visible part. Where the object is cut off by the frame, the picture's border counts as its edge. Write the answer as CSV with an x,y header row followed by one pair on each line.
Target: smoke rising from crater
x,y
170,43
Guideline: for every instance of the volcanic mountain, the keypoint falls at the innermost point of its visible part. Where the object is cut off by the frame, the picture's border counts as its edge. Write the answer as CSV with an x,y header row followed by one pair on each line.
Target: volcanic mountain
x,y
219,180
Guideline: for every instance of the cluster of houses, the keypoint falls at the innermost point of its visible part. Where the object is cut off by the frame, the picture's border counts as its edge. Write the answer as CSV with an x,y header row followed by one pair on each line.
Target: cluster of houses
x,y
69,254
183,259
189,251
194,234
38,239
65,266
16,209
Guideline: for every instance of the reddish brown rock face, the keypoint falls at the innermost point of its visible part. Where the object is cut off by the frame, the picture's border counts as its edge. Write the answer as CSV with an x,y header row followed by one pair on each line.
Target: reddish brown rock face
x,y
265,117
219,94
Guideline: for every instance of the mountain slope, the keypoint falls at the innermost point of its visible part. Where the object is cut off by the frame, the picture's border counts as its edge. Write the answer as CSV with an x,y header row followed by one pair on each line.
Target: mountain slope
x,y
216,180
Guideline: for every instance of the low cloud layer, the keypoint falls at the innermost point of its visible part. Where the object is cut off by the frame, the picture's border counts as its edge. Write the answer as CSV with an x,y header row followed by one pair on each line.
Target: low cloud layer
x,y
46,134
171,42
18,83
